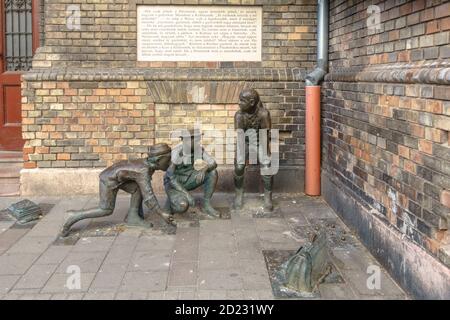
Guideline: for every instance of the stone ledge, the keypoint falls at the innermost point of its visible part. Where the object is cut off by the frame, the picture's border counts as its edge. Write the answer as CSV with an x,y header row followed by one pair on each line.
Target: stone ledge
x,y
84,181
437,72
419,273
142,74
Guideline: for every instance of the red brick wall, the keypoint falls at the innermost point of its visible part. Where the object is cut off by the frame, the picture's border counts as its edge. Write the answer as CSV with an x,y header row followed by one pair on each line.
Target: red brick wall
x,y
108,35
386,116
78,110
85,124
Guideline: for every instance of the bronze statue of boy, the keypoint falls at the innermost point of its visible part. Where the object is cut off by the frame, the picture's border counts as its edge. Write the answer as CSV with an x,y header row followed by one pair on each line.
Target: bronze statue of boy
x,y
188,172
134,177
252,119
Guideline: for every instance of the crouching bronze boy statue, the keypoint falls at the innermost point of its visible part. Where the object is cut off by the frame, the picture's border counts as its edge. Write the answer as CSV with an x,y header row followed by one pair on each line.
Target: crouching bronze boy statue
x,y
134,177
188,172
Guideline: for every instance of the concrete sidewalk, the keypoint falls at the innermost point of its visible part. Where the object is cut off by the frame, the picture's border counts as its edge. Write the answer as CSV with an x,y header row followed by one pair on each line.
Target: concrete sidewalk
x,y
204,259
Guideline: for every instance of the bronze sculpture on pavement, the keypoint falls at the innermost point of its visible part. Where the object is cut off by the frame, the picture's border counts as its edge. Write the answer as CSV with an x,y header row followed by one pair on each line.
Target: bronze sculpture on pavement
x,y
252,118
188,172
308,267
134,177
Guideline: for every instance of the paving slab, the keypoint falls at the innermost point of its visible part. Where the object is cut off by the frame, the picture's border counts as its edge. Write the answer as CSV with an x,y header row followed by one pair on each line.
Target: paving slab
x,y
359,282
108,277
258,295
254,274
24,291
220,279
31,245
99,296
155,260
127,238
183,274
251,249
7,282
16,263
36,296
216,240
10,237
140,295
156,242
155,295
144,281
119,254
36,277
67,296
5,225
218,259
54,255
61,283
48,228
88,262
336,291
186,246
93,244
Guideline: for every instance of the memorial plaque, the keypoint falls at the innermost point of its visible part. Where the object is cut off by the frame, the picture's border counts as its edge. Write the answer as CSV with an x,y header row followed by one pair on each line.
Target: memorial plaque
x,y
199,33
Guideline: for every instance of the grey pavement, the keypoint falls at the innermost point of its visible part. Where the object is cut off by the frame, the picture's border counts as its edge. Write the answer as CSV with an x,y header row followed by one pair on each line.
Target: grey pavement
x,y
209,259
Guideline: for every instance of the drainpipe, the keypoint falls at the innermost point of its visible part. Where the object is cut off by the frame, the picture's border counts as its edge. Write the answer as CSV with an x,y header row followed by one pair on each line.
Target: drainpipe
x,y
312,82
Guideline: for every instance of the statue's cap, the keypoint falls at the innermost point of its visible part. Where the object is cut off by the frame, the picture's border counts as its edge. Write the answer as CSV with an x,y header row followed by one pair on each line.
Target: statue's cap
x,y
159,149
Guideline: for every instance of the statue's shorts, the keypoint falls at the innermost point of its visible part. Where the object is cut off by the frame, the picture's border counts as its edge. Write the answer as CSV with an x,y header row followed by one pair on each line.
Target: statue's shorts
x,y
251,155
108,193
177,199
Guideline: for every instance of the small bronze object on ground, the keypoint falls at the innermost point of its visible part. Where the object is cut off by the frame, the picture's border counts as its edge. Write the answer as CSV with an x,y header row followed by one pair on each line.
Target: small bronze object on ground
x,y
252,118
134,177
25,211
308,267
188,172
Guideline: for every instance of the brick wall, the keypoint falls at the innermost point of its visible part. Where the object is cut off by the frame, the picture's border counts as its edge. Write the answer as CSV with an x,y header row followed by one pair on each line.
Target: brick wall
x,y
85,124
386,116
108,34
88,102
72,124
212,104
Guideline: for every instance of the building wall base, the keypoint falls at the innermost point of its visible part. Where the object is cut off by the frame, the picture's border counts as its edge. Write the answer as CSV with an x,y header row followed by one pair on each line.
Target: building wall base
x,y
416,271
84,181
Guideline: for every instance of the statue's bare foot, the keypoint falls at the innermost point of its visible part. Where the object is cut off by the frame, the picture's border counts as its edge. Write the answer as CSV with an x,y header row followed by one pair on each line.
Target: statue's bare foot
x,y
209,210
237,202
64,232
268,204
268,207
74,212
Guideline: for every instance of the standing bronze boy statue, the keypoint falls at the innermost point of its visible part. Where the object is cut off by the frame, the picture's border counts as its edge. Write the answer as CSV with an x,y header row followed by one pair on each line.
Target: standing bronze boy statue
x,y
134,177
252,119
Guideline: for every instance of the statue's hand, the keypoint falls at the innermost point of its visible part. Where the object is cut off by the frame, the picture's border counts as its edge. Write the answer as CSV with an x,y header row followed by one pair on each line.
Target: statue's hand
x,y
201,175
166,216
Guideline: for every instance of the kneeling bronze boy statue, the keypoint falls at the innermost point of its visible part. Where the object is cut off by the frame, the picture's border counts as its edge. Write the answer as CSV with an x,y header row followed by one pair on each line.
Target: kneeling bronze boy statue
x,y
134,177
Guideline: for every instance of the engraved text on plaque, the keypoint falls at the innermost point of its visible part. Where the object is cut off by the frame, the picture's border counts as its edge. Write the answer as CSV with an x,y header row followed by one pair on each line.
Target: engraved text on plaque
x,y
199,33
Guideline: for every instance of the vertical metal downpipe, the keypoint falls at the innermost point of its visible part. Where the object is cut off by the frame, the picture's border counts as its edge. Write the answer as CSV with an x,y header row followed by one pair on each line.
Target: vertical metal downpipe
x,y
312,117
